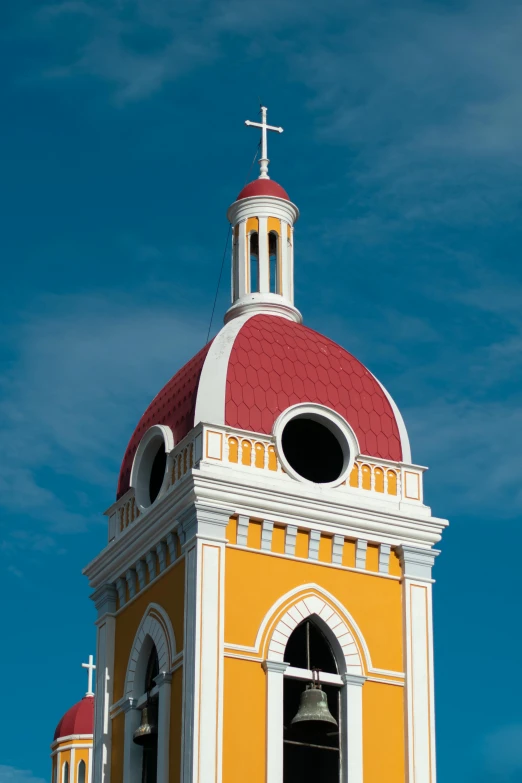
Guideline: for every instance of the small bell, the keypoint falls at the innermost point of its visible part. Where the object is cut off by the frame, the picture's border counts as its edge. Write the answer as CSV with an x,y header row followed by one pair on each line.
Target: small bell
x,y
313,706
147,731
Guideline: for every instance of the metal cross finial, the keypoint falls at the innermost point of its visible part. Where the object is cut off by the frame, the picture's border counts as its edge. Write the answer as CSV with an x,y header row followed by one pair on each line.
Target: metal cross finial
x,y
91,667
263,160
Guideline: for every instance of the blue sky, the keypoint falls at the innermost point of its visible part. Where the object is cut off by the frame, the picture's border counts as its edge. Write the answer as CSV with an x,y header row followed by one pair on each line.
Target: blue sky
x,y
122,144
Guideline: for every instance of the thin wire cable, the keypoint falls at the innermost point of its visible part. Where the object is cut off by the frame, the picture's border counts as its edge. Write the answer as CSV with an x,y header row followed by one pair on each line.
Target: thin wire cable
x,y
218,283
225,251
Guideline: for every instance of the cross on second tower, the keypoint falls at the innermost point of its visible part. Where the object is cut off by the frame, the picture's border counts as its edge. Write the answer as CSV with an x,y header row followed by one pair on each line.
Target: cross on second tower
x,y
263,160
90,668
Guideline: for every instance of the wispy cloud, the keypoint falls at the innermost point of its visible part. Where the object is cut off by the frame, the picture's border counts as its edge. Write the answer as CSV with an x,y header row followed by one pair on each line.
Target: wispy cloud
x,y
458,387
502,753
14,775
84,369
139,45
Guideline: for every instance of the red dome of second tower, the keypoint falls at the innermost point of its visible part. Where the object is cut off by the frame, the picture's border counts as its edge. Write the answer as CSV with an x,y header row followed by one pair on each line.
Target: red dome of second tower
x,y
79,719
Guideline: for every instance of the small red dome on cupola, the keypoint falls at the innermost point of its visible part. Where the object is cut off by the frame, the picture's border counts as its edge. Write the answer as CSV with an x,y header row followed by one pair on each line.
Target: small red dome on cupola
x,y
263,187
79,719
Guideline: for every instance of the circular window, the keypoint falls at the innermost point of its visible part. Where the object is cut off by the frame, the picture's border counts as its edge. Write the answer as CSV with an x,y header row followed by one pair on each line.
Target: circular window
x,y
150,469
315,444
157,473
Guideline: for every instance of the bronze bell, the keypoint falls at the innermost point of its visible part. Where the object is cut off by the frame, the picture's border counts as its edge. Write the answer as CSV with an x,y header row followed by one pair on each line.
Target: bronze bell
x,y
147,731
313,706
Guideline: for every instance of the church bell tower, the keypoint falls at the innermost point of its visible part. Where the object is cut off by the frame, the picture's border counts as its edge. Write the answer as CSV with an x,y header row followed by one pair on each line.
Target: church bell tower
x,y
264,598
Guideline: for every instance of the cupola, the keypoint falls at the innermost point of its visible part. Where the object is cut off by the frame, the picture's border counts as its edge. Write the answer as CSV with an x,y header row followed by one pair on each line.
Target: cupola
x,y
262,219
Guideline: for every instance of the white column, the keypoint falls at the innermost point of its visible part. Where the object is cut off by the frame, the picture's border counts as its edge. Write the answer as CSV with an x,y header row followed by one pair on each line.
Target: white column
x,y
418,623
89,767
291,265
352,728
105,601
132,753
274,720
264,270
242,260
202,730
283,260
72,767
163,681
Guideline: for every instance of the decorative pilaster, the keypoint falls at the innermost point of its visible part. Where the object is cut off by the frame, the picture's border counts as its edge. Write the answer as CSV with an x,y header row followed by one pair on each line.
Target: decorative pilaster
x,y
105,601
163,681
352,739
418,624
202,729
274,719
132,753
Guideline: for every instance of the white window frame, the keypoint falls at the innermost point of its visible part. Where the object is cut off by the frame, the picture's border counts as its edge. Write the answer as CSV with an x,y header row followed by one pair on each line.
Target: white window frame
x,y
351,678
155,630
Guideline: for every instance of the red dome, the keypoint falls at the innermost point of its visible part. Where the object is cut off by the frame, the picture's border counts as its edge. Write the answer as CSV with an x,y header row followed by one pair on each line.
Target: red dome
x,y
263,187
257,368
174,406
276,363
78,720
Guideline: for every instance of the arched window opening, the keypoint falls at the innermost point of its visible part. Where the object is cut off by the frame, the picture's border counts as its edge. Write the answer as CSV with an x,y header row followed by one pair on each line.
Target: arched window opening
x,y
254,262
147,734
81,772
65,773
273,262
311,711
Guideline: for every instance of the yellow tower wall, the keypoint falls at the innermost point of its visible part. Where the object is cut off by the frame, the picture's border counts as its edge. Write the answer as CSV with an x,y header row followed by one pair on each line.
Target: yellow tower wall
x,y
168,591
255,581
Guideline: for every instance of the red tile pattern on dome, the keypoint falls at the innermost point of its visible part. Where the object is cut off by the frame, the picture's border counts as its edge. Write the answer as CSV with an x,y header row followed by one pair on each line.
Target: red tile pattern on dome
x,y
263,187
276,363
78,720
173,406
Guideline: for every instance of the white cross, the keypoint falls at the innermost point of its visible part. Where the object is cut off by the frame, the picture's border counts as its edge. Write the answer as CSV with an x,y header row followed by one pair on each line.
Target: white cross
x,y
263,160
91,667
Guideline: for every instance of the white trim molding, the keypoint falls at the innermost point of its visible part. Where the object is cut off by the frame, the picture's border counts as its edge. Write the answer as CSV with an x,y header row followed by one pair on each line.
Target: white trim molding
x,y
210,399
331,624
156,436
418,625
105,601
352,737
350,665
155,628
274,719
330,419
314,596
202,725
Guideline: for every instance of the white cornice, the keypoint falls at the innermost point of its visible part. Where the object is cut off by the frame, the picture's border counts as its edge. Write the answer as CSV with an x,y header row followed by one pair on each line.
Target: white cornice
x,y
228,491
72,738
